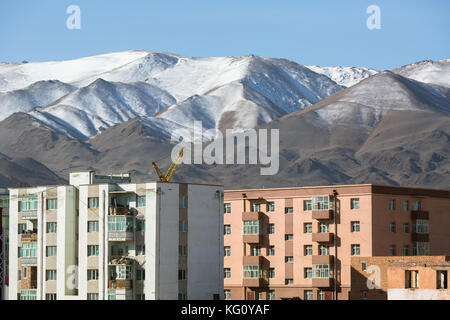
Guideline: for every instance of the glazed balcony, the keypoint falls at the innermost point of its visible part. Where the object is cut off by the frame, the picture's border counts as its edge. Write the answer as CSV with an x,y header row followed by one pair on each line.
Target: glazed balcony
x,y
322,237
120,284
322,214
419,215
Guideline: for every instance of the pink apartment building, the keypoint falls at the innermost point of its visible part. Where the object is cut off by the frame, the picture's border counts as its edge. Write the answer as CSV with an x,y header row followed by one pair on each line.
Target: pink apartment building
x,y
297,243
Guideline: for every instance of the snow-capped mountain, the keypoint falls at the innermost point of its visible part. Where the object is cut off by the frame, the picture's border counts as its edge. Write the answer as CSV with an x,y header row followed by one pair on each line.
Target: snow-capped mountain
x,y
222,92
428,71
345,76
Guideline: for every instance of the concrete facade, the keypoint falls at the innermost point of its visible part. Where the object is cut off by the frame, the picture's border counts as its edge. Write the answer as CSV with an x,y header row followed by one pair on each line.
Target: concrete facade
x,y
116,240
300,248
400,278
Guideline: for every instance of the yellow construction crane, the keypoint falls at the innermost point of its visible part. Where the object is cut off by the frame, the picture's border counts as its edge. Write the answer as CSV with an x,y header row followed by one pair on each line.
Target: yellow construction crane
x,y
169,174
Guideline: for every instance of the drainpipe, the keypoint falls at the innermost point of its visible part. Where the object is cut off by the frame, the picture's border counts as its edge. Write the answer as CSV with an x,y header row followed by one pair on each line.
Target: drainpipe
x,y
335,243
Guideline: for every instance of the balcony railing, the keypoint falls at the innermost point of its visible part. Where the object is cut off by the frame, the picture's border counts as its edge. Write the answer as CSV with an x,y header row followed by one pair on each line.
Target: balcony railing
x,y
120,260
322,214
252,216
322,282
420,237
120,235
254,282
29,214
120,284
419,214
120,211
28,237
29,261
252,238
322,237
323,259
253,260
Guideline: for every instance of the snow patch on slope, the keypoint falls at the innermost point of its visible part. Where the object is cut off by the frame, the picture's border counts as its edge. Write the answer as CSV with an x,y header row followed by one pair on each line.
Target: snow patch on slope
x,y
345,76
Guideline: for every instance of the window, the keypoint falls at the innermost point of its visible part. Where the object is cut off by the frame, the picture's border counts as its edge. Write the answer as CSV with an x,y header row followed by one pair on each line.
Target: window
x,y
52,204
92,296
50,275
406,250
392,250
441,279
271,251
120,223
28,294
421,226
252,271
321,271
50,296
227,273
405,205
19,275
182,226
256,251
324,227
308,273
288,210
392,204
355,250
256,207
182,251
227,229
4,202
111,294
308,294
182,202
355,226
416,205
307,227
123,272
324,250
227,294
354,203
21,228
288,237
289,259
92,226
321,203
364,266
271,295
271,228
25,269
421,249
252,227
411,279
227,208
259,295
406,227
92,250
140,225
392,227
93,202
50,251
308,250
227,251
92,274
307,205
270,206
271,273
51,227
140,201
140,274
289,282
28,204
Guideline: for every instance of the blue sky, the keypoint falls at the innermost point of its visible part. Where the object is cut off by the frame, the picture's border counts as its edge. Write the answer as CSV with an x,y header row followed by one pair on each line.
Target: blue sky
x,y
319,32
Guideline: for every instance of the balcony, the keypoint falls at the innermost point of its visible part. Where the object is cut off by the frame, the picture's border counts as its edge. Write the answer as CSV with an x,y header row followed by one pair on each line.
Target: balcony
x,y
253,260
120,235
252,216
120,211
322,214
419,214
120,284
322,282
322,259
28,237
420,237
252,238
28,284
120,260
254,282
322,237
29,261
29,215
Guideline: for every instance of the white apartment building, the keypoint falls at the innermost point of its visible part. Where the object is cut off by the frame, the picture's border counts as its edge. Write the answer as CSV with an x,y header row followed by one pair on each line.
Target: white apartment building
x,y
102,237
